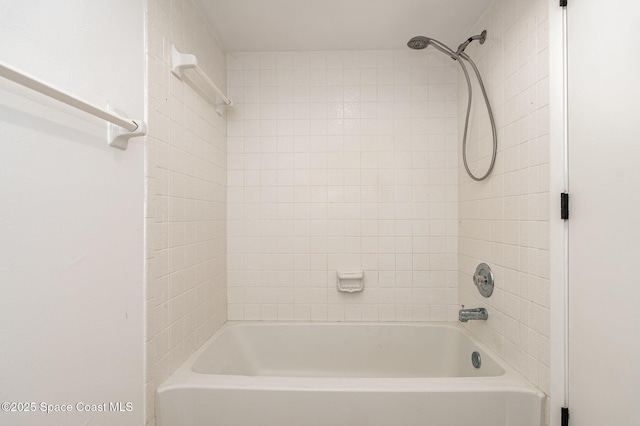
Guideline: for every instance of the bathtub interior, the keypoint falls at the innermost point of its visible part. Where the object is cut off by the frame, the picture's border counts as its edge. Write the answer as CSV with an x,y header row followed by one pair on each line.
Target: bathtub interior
x,y
345,374
343,350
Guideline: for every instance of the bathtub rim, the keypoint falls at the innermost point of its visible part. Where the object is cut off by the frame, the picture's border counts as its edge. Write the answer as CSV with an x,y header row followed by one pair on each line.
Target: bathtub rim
x,y
185,378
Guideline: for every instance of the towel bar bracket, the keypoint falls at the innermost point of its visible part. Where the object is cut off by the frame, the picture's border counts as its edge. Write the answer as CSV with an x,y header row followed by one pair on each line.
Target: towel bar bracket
x,y
118,137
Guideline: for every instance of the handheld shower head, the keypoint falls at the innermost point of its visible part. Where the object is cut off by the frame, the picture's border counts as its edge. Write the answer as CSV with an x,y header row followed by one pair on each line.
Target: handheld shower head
x,y
419,42
481,37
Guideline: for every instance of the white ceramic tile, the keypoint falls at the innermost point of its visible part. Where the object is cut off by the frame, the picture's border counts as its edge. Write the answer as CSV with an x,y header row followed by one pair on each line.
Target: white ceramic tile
x,y
327,136
504,220
187,176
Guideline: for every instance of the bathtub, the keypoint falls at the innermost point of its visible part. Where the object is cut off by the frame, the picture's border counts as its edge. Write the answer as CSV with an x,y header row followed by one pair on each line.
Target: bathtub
x,y
308,374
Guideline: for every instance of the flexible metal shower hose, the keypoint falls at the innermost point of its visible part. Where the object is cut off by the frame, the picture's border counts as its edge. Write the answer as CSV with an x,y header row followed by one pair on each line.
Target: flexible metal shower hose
x,y
466,121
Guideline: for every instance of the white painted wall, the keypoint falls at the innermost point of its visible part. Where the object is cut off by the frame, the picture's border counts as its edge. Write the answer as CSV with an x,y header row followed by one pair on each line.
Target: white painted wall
x,y
71,251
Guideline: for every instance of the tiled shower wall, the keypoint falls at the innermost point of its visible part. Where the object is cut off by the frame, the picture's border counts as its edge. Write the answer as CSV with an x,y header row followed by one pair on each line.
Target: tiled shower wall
x,y
186,195
342,161
504,221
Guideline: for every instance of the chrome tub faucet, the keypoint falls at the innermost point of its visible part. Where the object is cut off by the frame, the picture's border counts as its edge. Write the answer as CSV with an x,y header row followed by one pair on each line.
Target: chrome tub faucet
x,y
473,314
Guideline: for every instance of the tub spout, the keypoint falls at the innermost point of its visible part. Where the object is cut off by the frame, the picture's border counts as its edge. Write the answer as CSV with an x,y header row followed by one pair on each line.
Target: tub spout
x,y
473,314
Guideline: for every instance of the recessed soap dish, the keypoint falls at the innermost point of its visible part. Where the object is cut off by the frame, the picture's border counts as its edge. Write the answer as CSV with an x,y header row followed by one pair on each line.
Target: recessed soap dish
x,y
350,281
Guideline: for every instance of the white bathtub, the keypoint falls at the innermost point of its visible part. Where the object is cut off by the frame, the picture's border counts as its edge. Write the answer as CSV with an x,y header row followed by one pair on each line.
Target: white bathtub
x,y
302,374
